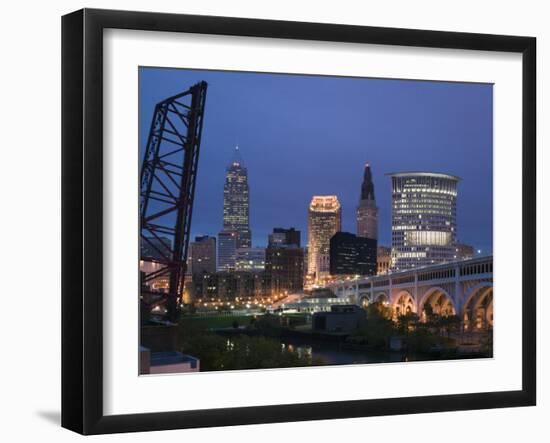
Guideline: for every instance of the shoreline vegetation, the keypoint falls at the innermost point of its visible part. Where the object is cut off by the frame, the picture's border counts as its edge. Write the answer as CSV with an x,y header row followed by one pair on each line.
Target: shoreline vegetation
x,y
257,341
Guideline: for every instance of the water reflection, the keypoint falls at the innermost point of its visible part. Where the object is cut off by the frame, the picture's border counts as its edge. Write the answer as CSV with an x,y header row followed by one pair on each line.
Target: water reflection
x,y
334,353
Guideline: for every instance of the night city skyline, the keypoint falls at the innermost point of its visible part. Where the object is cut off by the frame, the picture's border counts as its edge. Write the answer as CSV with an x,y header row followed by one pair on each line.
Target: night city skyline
x,y
330,221
292,153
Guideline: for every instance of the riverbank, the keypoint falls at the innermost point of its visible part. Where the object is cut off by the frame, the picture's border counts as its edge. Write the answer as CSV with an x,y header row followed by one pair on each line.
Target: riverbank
x,y
228,342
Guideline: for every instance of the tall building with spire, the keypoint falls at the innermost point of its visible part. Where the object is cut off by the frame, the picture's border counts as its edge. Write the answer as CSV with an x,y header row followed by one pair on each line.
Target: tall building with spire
x,y
367,212
236,201
324,220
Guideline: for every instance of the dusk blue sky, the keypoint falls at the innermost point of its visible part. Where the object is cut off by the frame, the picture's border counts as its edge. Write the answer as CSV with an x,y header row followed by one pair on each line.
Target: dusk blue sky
x,y
301,136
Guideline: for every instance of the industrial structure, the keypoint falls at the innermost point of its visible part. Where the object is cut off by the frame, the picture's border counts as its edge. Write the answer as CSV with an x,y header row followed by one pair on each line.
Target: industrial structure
x,y
167,187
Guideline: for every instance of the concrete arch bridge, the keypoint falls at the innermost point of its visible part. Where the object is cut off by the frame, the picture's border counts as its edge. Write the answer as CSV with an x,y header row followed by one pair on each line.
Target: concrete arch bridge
x,y
462,288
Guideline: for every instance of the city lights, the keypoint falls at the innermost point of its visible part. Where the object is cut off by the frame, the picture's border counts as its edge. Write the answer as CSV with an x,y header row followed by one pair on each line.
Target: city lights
x,y
335,272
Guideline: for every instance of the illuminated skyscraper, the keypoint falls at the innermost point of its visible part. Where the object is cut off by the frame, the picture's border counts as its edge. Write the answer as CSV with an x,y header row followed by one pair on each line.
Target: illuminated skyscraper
x,y
423,219
236,201
367,212
324,220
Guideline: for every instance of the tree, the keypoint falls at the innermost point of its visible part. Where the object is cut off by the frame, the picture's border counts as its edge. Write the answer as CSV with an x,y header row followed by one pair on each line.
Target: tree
x,y
449,323
209,348
429,312
217,353
379,326
407,322
378,310
268,325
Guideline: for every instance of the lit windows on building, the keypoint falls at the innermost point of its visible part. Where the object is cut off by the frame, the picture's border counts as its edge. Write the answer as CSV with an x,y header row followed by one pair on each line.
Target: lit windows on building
x,y
284,270
227,250
427,238
250,259
423,219
383,260
202,255
236,201
324,220
283,236
352,255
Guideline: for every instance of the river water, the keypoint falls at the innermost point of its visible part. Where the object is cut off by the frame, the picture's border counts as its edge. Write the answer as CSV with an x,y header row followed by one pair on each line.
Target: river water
x,y
333,354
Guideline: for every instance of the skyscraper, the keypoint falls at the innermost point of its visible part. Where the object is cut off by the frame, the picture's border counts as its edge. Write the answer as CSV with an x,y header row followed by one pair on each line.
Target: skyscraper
x,y
423,219
324,220
236,201
367,212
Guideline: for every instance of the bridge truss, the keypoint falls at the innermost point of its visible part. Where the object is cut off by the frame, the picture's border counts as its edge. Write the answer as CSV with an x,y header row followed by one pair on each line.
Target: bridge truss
x,y
167,188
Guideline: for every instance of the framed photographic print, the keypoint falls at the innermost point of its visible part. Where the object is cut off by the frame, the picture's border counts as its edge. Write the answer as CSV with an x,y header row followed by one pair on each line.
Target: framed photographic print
x,y
269,221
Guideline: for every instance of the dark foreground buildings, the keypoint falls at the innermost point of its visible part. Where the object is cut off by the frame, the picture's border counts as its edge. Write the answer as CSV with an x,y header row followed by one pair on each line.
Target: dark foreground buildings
x,y
284,262
202,255
227,286
281,273
352,255
282,236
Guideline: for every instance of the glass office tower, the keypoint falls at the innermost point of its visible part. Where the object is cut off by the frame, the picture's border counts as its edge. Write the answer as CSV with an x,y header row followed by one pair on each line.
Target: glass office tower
x,y
236,201
424,227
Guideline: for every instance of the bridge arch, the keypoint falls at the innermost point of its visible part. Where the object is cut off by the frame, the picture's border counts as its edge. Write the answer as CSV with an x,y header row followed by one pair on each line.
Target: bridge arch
x,y
440,300
381,297
478,307
364,300
403,303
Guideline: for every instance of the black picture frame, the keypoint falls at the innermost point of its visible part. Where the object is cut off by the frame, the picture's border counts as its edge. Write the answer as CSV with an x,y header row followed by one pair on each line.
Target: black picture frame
x,y
82,239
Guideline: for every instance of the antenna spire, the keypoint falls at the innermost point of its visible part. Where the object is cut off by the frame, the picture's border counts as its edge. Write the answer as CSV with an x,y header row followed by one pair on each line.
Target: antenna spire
x,y
237,158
